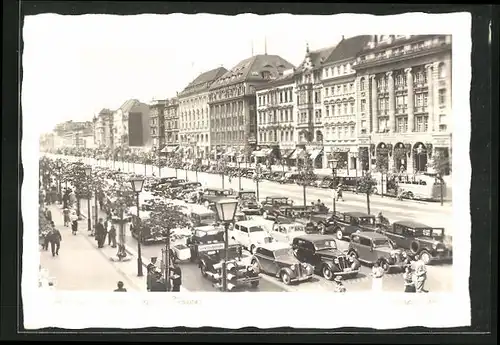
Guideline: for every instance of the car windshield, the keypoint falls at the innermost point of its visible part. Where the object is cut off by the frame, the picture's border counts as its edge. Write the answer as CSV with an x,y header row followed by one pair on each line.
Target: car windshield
x,y
283,252
325,244
379,243
207,216
429,232
255,229
279,201
366,221
248,196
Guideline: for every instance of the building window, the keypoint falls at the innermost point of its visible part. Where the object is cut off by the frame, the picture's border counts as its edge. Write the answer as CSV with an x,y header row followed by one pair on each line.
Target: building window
x,y
351,109
344,88
351,87
422,124
352,131
334,132
333,109
335,71
382,124
345,108
442,97
402,124
327,111
363,105
339,108
286,96
317,97
441,71
326,92
338,89
326,72
362,84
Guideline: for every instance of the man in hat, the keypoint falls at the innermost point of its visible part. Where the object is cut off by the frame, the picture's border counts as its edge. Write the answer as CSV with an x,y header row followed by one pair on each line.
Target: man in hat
x,y
120,287
55,239
100,233
339,286
176,277
151,273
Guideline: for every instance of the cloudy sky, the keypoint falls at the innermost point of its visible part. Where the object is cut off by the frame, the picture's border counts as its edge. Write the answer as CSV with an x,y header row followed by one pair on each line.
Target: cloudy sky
x,y
76,65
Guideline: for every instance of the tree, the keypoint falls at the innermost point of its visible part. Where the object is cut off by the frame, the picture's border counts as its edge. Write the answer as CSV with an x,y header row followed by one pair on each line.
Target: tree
x,y
306,172
366,185
382,162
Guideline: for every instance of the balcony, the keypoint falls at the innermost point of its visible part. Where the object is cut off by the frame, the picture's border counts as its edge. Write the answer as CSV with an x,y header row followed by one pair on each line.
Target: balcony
x,y
383,112
401,110
420,110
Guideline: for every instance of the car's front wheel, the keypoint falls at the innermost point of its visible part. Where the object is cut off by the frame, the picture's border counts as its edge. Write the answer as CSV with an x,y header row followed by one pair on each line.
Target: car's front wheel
x,y
425,256
339,234
353,254
322,228
252,249
203,270
327,272
285,278
255,284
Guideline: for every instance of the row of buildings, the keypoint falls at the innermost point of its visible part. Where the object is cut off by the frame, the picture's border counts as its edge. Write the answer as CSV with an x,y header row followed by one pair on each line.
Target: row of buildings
x,y
377,99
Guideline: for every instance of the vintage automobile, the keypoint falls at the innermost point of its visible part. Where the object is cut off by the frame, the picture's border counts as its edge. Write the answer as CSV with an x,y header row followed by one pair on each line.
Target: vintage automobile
x,y
247,202
322,253
286,230
326,182
278,260
272,206
141,230
240,216
239,272
347,223
190,185
200,216
210,195
249,234
429,243
371,247
205,238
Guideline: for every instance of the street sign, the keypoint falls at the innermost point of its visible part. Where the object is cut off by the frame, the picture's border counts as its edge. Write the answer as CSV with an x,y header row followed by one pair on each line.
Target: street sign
x,y
209,247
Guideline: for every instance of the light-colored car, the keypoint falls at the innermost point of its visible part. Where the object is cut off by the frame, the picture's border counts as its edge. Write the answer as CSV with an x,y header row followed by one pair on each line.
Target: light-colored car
x,y
250,234
286,231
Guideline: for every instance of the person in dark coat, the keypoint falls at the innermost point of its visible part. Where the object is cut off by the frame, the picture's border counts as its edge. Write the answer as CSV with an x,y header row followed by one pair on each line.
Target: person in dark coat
x,y
65,199
112,236
100,234
74,226
120,287
176,277
55,239
48,214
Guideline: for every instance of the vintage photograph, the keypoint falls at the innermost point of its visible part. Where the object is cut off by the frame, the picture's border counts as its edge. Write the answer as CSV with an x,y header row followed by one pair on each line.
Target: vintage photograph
x,y
187,154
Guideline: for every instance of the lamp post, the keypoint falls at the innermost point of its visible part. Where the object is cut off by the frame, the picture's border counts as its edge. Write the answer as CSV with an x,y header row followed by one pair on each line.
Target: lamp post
x,y
440,178
226,209
239,173
333,165
137,184
419,154
88,173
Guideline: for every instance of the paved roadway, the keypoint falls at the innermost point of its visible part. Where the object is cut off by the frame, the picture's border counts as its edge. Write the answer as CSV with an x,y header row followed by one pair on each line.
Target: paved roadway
x,y
440,277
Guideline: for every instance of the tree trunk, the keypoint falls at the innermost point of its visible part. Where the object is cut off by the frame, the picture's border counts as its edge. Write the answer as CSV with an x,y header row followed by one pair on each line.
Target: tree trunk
x,y
257,183
304,191
222,175
167,263
78,207
368,202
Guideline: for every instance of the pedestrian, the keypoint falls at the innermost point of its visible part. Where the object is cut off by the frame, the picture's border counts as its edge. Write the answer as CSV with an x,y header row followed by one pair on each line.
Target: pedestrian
x,y
74,226
120,287
100,233
55,239
377,276
176,276
339,286
65,199
339,192
45,236
420,273
48,214
112,236
66,216
408,280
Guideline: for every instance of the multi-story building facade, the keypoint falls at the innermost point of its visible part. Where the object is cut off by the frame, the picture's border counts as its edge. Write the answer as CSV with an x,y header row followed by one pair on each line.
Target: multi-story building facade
x,y
157,123
102,128
276,120
233,113
404,93
171,124
339,114
130,125
194,115
308,83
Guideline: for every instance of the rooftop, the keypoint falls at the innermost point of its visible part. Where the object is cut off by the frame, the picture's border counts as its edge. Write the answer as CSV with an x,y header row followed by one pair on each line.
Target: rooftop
x,y
348,48
256,68
316,57
203,81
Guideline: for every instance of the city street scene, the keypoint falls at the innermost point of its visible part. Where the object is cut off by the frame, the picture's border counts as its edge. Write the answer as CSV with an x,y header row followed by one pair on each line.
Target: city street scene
x,y
322,167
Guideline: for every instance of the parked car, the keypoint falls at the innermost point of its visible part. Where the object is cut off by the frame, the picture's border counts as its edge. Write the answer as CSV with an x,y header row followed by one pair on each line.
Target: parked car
x,y
248,203
286,230
347,223
322,253
431,244
200,216
322,223
278,260
372,247
249,234
210,195
272,206
205,239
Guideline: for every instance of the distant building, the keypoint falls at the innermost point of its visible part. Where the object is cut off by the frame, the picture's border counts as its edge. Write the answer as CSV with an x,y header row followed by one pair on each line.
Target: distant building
x,y
194,115
131,125
74,134
157,123
171,124
103,128
233,109
404,92
276,119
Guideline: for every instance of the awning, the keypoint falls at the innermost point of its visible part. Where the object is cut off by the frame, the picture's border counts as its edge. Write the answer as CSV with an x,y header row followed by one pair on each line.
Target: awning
x,y
262,153
296,153
170,149
315,153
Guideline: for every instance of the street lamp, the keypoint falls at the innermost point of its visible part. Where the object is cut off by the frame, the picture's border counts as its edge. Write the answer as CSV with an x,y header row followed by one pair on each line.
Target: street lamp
x,y
88,173
137,184
333,165
226,209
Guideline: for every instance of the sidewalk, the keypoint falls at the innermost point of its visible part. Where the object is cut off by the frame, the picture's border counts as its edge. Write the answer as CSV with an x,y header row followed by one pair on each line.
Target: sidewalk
x,y
129,267
80,266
